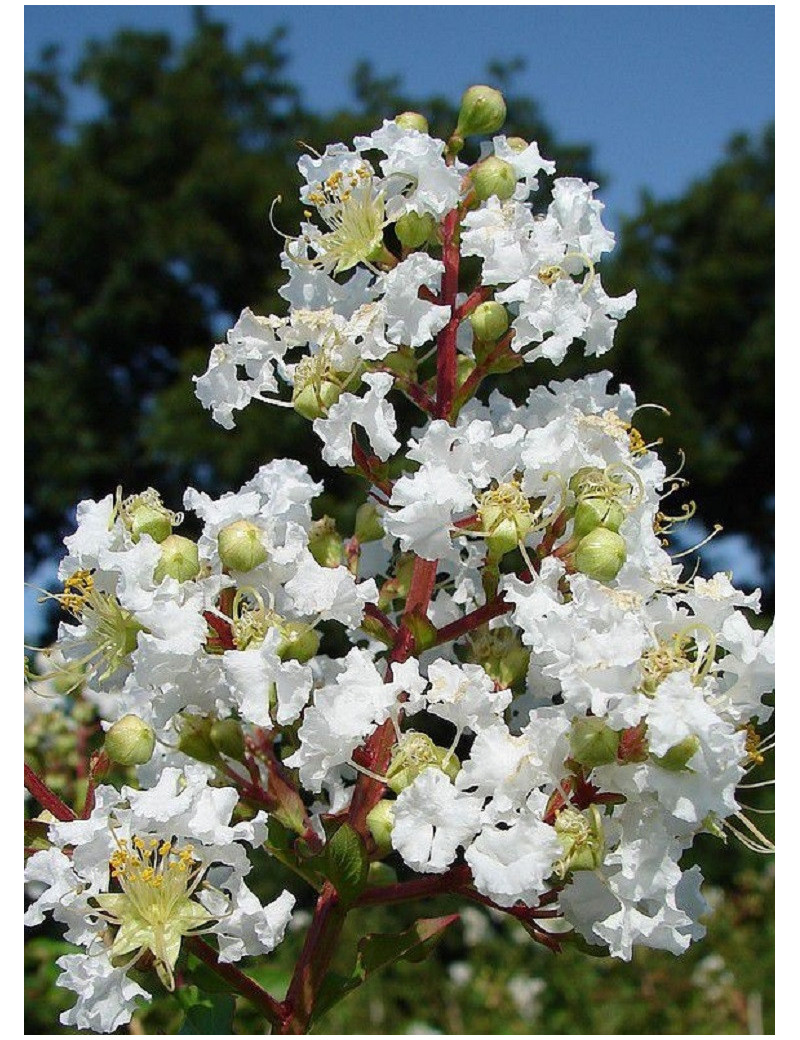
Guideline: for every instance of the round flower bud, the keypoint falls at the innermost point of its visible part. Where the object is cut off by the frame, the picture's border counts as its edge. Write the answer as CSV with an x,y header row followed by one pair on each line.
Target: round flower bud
x,y
415,229
483,111
325,543
380,821
195,741
679,755
493,176
149,519
489,321
600,554
412,121
130,741
179,559
368,523
592,743
227,737
313,400
240,546
596,512
413,755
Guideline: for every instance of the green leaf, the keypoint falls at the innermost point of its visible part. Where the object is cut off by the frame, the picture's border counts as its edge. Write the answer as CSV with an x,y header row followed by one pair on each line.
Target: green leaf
x,y
377,951
344,862
205,1013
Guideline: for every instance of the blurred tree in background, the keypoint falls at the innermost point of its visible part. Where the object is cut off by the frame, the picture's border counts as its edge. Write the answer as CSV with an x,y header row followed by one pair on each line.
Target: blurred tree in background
x,y
701,338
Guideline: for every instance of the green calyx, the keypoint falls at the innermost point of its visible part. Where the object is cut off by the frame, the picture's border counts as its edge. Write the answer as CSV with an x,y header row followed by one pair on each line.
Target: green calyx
x,y
592,743
582,839
179,559
413,755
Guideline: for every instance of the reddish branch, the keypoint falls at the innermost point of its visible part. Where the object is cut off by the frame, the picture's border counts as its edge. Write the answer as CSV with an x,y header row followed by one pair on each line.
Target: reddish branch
x,y
446,357
469,622
47,798
238,981
315,958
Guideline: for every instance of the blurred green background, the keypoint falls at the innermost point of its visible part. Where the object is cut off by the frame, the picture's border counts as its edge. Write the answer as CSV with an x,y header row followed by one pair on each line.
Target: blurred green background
x,y
147,233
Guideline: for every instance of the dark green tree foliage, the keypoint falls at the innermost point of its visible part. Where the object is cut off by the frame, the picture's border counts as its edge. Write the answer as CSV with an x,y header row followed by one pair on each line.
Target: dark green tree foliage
x,y
144,226
147,232
701,338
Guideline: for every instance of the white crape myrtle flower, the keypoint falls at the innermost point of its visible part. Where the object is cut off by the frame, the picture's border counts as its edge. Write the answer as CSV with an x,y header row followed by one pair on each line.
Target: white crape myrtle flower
x,y
514,862
251,674
526,161
345,711
464,695
177,865
243,368
431,186
372,413
431,820
499,233
410,320
329,593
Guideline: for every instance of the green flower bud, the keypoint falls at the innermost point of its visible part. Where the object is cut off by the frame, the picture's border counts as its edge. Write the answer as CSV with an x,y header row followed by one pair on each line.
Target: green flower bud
x,y
298,642
368,523
489,321
130,741
415,229
493,176
517,144
413,755
313,400
240,546
195,741
597,512
325,543
412,121
483,111
179,559
147,520
582,839
600,554
228,738
679,755
380,821
592,743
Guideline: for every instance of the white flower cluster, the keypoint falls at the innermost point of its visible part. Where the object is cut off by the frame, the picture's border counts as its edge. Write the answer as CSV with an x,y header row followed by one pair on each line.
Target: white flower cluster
x,y
559,709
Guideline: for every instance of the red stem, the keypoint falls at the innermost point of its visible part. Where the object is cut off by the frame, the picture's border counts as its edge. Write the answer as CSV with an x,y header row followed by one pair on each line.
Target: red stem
x,y
315,959
473,620
238,980
472,301
46,798
446,355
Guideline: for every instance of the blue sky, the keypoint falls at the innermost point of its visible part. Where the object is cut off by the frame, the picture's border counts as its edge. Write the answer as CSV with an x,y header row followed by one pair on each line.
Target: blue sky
x,y
657,90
